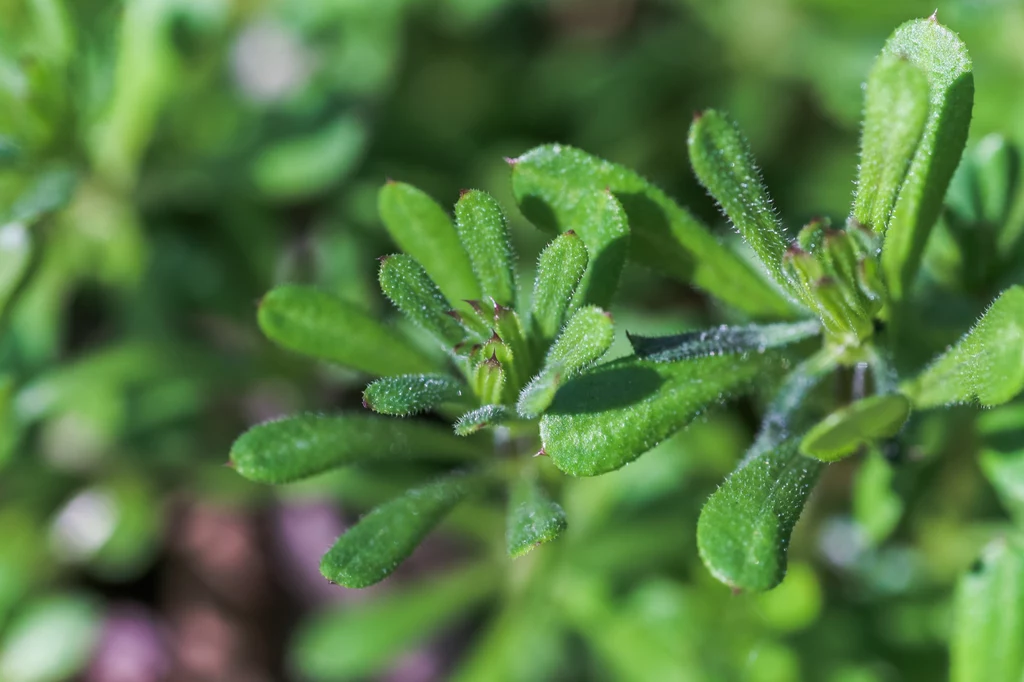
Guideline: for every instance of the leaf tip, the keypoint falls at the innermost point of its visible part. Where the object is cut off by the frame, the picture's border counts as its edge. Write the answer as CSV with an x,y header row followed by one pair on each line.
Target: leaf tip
x,y
510,160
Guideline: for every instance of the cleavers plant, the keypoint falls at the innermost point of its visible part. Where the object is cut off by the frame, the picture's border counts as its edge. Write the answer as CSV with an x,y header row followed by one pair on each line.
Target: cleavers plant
x,y
824,312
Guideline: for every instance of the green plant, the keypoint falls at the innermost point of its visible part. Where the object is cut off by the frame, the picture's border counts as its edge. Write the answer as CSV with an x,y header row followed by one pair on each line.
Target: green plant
x,y
834,311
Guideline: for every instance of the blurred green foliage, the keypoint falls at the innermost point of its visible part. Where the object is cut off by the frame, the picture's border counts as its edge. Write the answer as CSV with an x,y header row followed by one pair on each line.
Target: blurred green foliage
x,y
163,163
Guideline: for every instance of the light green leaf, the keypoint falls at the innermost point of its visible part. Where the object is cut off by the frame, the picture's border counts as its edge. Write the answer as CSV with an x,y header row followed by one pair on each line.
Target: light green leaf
x,y
15,260
377,632
556,185
412,393
895,112
987,643
51,640
315,323
483,229
310,164
585,339
744,528
533,517
300,446
609,416
986,365
559,270
722,160
51,191
877,507
863,422
407,284
943,58
722,340
372,549
482,417
423,230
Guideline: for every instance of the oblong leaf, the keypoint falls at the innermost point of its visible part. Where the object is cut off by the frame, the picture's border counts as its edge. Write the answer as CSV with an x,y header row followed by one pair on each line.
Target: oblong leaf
x,y
410,394
722,340
422,229
318,324
987,643
942,56
723,163
744,528
865,421
483,230
533,517
372,549
559,270
895,111
585,339
407,285
986,365
609,416
378,631
300,446
482,417
554,185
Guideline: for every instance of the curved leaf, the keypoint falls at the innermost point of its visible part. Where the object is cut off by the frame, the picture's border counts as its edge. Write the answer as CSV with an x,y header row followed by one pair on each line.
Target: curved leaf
x,y
483,230
422,229
372,549
412,393
318,324
865,421
300,446
722,340
533,518
482,417
559,270
407,285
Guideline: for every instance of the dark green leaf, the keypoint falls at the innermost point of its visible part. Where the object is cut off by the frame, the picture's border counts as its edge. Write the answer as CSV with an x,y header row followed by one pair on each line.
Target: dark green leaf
x,y
606,418
586,337
863,422
556,185
724,164
305,445
376,632
407,284
423,230
987,365
321,325
412,393
895,112
987,643
372,549
722,340
940,54
483,229
533,517
559,270
744,528
482,417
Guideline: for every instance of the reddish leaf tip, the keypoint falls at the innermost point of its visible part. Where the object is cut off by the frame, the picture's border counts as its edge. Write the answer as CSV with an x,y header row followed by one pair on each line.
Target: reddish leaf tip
x,y
473,303
464,192
570,233
454,314
510,160
384,259
935,15
541,453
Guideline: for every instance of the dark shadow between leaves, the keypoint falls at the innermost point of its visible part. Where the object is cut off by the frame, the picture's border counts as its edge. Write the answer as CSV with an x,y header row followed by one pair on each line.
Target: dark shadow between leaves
x,y
619,384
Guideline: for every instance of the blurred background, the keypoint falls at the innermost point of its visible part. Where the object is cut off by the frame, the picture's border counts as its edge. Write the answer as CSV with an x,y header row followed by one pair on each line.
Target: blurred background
x,y
163,163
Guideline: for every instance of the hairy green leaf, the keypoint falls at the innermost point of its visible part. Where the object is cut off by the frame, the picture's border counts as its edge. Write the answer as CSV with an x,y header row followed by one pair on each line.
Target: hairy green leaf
x,y
744,528
372,549
586,337
300,446
556,185
407,284
410,394
15,259
559,270
987,643
895,112
986,365
483,229
863,422
533,517
423,230
378,631
722,160
482,417
943,58
609,416
315,323
722,340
